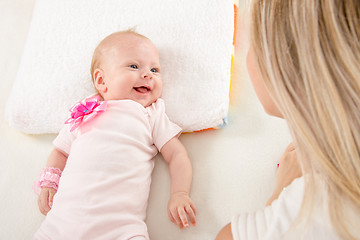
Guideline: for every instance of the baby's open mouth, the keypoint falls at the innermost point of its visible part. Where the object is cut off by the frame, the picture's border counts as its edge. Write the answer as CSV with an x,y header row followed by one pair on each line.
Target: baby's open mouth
x,y
142,89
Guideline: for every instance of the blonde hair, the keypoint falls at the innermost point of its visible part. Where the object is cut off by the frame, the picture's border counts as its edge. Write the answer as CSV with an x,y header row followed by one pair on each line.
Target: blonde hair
x,y
308,53
99,50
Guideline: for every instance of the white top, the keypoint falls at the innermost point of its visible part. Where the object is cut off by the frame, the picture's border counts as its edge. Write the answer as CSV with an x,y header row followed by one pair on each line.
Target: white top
x,y
274,221
104,188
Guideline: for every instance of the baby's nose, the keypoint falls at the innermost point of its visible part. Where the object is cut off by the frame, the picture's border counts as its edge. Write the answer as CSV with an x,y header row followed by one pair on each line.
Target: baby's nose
x,y
147,75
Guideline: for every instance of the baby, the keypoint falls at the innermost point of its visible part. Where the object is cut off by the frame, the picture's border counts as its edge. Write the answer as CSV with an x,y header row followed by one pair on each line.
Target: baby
x,y
104,154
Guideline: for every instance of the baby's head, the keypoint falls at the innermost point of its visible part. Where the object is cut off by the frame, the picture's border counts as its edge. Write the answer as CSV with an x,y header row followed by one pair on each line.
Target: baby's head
x,y
126,65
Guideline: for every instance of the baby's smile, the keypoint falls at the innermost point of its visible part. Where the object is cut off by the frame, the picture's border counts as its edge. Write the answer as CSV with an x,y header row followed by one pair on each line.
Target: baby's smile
x,y
142,89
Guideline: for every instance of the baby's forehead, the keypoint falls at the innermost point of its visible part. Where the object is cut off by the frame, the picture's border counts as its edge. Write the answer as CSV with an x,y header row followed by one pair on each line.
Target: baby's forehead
x,y
124,44
122,39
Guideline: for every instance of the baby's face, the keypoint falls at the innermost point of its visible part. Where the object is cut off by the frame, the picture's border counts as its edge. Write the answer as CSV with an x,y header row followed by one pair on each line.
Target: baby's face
x,y
131,70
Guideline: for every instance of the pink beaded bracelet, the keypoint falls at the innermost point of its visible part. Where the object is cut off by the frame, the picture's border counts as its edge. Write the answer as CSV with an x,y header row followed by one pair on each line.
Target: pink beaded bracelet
x,y
49,177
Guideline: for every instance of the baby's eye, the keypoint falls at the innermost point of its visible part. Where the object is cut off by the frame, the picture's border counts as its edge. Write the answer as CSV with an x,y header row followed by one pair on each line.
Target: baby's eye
x,y
154,70
133,66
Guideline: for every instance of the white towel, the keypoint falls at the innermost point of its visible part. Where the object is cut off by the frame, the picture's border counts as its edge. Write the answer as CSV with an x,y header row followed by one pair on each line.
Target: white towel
x,y
194,39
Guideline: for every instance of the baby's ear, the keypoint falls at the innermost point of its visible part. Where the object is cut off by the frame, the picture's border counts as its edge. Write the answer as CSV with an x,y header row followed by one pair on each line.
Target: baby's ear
x,y
99,81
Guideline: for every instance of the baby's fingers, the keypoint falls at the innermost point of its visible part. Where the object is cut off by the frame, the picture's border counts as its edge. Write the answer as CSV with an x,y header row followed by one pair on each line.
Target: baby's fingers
x,y
43,202
51,197
171,217
183,218
175,216
191,212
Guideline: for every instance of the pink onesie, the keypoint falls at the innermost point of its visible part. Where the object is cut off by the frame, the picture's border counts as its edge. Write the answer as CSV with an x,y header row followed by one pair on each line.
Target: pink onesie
x,y
104,187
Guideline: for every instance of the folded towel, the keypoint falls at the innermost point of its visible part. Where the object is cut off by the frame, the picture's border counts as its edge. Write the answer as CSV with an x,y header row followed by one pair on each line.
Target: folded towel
x,y
194,39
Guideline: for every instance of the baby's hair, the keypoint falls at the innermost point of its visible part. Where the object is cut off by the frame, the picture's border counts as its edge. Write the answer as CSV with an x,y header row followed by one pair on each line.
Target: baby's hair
x,y
96,58
308,55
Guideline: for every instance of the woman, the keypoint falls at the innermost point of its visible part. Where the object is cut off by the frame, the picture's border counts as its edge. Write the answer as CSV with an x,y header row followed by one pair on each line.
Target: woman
x,y
304,62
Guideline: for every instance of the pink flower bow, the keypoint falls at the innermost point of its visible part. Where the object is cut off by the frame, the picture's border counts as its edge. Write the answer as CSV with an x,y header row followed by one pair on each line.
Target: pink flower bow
x,y
85,110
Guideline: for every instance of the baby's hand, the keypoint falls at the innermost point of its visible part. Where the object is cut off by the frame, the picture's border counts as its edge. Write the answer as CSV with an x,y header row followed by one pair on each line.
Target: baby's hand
x,y
45,199
179,206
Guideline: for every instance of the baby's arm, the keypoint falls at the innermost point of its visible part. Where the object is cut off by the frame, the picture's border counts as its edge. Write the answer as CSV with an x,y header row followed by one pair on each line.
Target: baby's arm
x,y
57,159
180,169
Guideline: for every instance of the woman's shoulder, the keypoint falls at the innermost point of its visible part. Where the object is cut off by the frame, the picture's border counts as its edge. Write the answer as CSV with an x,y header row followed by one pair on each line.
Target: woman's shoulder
x,y
273,221
280,219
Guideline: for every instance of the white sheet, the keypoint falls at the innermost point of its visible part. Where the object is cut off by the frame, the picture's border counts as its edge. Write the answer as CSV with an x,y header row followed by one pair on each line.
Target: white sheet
x,y
234,168
194,39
